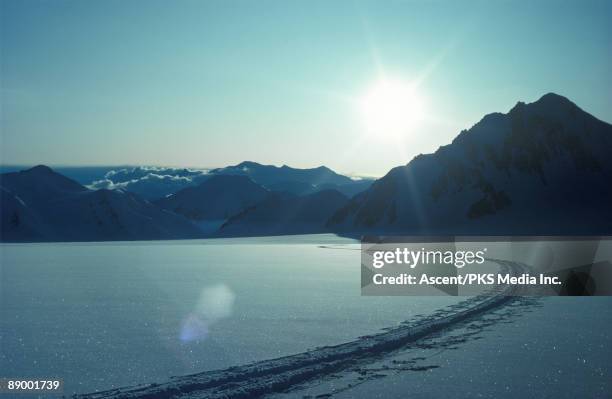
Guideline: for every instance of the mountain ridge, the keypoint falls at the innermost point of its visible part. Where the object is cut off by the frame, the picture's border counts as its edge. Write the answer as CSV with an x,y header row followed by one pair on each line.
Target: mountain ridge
x,y
491,169
282,214
218,197
40,204
542,168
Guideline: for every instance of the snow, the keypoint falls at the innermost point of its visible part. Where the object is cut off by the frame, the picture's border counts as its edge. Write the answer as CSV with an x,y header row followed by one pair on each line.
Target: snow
x,y
279,374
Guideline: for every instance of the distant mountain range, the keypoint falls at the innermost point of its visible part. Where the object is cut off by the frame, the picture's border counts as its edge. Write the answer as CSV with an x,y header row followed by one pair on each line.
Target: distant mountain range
x,y
150,182
285,214
218,197
296,181
542,168
41,205
153,183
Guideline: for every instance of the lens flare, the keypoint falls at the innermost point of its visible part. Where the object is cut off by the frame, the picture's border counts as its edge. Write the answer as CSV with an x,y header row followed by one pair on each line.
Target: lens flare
x,y
215,303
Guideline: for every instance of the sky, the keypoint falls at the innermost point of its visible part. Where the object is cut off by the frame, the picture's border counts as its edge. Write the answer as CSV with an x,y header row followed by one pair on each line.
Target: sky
x,y
213,83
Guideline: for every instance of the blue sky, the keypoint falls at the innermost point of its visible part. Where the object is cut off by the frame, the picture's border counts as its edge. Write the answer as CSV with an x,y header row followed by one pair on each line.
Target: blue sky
x,y
211,83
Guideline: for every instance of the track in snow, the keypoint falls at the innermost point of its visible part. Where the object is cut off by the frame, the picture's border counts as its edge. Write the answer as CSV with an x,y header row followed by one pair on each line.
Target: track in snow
x,y
276,375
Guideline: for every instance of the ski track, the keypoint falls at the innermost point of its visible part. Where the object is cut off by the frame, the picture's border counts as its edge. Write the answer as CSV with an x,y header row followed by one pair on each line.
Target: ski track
x,y
275,375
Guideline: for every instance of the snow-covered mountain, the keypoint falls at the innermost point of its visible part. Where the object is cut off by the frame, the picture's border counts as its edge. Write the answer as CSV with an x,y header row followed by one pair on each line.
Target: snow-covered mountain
x,y
217,198
150,182
282,214
39,204
542,168
153,183
294,180
270,174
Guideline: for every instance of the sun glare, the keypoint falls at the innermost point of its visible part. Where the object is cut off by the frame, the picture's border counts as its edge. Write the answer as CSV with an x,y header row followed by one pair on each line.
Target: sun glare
x,y
391,107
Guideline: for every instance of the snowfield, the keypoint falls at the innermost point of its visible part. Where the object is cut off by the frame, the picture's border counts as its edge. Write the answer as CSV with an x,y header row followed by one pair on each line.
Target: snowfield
x,y
281,374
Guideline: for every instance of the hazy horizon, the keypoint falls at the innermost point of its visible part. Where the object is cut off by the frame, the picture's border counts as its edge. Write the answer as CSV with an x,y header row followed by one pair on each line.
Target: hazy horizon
x,y
209,84
118,166
203,167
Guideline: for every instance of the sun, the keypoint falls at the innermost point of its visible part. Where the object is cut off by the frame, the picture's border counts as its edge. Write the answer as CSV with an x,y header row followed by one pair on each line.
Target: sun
x,y
391,107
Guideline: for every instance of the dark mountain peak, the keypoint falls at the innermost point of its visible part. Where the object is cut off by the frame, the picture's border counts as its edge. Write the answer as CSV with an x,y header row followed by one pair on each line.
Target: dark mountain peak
x,y
39,169
520,105
550,109
548,104
489,124
284,167
319,169
273,176
503,168
248,164
554,98
42,180
493,117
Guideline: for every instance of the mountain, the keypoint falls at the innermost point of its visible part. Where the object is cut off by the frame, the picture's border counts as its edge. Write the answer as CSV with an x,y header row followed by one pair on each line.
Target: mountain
x,y
83,175
349,189
17,222
285,214
296,181
150,182
39,204
217,198
153,183
270,174
40,184
542,168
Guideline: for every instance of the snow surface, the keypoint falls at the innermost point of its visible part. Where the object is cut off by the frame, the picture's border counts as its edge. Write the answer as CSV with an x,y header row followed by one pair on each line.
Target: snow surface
x,y
103,315
280,374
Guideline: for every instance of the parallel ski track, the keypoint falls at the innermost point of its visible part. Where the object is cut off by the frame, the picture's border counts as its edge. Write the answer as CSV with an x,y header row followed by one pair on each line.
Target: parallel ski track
x,y
269,376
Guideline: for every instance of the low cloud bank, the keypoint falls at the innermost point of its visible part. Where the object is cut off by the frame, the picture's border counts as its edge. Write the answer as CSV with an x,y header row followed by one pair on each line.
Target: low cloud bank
x,y
150,182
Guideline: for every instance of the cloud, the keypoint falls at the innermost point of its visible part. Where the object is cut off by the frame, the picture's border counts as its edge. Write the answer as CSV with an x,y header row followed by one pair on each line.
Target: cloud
x,y
150,182
107,184
140,172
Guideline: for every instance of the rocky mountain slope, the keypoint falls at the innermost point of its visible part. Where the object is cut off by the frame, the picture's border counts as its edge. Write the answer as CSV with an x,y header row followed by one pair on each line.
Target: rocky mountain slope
x,y
542,168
